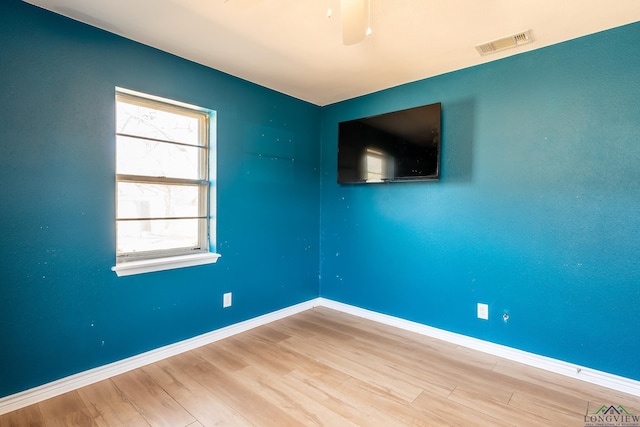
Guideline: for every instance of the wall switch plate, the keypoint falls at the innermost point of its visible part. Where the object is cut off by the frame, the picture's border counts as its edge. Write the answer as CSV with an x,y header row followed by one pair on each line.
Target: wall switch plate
x,y
226,300
483,311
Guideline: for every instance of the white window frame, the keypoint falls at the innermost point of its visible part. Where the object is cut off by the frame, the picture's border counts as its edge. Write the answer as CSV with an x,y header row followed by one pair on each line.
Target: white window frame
x,y
203,253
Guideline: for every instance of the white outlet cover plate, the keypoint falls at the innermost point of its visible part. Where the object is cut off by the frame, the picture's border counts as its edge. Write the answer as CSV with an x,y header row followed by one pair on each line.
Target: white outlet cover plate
x,y
483,311
226,300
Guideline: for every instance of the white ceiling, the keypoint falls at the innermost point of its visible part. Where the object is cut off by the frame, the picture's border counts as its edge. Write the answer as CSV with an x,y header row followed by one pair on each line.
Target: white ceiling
x,y
291,46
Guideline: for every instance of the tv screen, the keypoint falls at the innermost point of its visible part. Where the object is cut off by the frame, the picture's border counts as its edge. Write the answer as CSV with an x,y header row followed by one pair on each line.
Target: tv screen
x,y
392,147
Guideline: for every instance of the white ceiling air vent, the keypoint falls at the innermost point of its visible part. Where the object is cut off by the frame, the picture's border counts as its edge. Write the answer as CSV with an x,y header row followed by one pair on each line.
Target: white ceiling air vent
x,y
505,43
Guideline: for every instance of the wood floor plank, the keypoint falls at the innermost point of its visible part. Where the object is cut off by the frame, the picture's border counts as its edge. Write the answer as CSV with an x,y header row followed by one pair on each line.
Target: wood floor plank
x,y
548,398
454,413
320,329
220,357
387,336
66,410
191,395
378,334
268,334
25,417
426,359
419,365
349,406
537,381
546,408
353,364
388,404
255,352
109,407
197,400
239,397
278,390
480,403
156,406
309,366
420,372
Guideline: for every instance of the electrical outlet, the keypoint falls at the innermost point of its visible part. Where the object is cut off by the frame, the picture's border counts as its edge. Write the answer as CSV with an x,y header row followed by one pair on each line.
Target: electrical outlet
x,y
226,300
483,311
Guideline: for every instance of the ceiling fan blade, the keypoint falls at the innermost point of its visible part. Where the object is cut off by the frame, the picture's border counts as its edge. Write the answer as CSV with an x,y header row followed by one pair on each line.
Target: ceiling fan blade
x,y
354,20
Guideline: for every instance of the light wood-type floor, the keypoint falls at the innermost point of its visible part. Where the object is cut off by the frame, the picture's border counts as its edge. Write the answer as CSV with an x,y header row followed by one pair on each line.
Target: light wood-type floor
x,y
323,367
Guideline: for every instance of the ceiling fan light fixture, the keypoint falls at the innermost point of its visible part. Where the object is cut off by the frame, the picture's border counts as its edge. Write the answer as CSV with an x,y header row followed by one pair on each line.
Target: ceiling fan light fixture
x,y
354,21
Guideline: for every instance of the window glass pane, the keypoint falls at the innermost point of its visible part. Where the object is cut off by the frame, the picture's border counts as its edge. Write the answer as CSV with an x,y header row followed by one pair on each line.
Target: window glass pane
x,y
161,146
154,235
148,122
374,164
152,158
140,200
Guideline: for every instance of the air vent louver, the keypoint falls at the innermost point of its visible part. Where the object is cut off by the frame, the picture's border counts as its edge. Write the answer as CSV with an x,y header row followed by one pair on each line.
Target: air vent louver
x,y
505,43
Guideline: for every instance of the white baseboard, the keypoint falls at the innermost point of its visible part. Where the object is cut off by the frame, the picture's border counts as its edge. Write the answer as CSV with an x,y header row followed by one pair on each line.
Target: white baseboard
x,y
593,376
82,379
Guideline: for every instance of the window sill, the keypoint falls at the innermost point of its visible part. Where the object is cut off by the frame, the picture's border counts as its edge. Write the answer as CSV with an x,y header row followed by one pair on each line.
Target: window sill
x,y
168,263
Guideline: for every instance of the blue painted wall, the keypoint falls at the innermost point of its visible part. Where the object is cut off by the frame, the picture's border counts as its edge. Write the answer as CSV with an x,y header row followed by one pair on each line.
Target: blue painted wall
x,y
61,308
537,212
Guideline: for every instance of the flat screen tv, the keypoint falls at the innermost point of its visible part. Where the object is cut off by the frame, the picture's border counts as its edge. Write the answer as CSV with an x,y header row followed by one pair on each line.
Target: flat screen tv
x,y
399,146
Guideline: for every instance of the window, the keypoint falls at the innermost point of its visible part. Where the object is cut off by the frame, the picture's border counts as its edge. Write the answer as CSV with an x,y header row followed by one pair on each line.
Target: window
x,y
163,184
379,166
